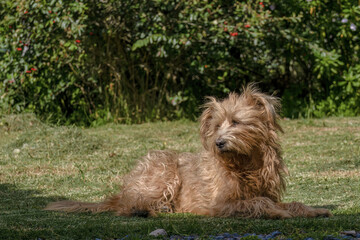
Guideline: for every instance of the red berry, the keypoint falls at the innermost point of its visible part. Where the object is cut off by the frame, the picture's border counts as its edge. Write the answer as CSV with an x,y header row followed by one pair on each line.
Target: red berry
x,y
25,12
50,11
247,25
19,49
225,29
28,71
33,69
78,41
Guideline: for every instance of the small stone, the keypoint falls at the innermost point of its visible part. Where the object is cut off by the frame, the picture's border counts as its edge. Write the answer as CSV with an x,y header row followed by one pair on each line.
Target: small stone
x,y
158,232
273,234
175,237
249,234
189,238
349,233
16,151
227,235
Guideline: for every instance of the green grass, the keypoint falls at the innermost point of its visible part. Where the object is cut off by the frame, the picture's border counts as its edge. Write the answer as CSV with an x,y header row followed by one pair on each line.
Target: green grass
x,y
41,163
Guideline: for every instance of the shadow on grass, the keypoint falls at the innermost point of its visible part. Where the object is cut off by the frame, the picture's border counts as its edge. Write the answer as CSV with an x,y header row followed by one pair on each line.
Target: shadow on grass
x,y
13,198
22,217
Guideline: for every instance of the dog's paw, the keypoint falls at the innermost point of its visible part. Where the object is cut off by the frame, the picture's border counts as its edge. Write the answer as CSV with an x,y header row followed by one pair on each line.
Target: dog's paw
x,y
316,212
322,212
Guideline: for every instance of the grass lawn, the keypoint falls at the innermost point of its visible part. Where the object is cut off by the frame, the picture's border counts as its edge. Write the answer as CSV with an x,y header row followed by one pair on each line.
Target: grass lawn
x,y
41,163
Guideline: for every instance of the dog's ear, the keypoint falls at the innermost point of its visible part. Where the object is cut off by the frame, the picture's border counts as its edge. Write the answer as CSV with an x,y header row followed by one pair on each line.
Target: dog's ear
x,y
205,120
270,105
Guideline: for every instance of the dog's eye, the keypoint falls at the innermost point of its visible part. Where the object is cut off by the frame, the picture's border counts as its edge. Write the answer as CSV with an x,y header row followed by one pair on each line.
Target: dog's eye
x,y
217,126
234,123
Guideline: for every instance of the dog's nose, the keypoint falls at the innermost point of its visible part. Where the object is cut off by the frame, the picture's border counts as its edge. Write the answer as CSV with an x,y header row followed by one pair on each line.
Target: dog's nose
x,y
220,143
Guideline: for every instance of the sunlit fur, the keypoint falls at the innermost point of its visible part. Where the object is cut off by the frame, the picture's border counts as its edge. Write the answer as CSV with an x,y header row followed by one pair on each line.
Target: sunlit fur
x,y
240,171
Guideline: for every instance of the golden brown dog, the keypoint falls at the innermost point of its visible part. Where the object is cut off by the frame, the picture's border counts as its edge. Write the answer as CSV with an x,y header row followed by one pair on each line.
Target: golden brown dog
x,y
240,171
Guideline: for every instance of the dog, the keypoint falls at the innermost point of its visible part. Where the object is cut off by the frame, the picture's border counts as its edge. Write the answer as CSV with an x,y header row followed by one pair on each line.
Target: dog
x,y
239,173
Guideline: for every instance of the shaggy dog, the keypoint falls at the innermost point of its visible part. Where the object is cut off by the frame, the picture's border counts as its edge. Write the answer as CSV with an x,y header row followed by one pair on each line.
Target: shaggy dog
x,y
239,173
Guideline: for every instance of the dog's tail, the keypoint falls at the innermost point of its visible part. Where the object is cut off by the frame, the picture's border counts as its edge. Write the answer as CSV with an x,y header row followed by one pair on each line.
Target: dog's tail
x,y
73,206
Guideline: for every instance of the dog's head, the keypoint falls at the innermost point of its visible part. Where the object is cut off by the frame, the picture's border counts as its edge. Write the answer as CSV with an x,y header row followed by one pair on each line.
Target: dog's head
x,y
239,124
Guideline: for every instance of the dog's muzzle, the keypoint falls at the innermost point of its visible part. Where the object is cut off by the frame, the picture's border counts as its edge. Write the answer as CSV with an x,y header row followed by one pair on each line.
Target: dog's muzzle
x,y
220,143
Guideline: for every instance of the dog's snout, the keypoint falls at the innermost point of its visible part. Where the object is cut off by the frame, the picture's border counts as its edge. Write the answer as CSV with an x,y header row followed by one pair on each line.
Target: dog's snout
x,y
220,143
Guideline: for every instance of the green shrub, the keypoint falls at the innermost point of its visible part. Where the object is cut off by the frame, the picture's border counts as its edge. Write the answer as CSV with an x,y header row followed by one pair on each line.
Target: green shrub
x,y
90,62
344,98
44,58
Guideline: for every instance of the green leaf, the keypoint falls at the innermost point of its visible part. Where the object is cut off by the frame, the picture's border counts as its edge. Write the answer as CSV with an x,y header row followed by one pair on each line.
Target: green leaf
x,y
349,87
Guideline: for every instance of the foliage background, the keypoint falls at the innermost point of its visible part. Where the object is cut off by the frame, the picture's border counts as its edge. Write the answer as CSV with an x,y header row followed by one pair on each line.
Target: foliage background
x,y
90,62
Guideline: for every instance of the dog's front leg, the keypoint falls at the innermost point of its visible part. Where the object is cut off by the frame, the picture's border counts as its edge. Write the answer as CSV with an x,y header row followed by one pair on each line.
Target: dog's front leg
x,y
253,208
301,210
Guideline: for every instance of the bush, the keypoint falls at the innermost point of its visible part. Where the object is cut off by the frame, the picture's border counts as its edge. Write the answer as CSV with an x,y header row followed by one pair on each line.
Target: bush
x,y
90,62
344,98
44,59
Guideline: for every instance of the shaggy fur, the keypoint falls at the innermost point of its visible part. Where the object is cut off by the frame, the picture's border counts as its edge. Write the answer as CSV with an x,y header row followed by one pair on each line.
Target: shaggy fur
x,y
240,172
